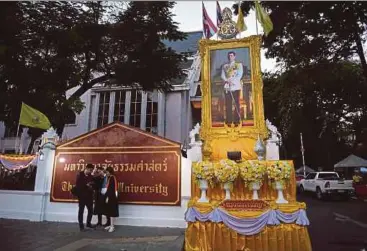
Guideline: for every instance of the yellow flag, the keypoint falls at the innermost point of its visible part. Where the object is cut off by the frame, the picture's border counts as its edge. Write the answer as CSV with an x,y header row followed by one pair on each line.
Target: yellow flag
x,y
241,26
263,18
33,118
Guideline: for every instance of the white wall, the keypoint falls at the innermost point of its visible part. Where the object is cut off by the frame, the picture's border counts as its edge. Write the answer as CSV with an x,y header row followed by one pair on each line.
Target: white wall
x,y
36,206
81,120
174,114
21,205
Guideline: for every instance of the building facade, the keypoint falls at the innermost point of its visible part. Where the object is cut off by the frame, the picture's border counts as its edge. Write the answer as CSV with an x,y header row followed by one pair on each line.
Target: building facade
x,y
170,114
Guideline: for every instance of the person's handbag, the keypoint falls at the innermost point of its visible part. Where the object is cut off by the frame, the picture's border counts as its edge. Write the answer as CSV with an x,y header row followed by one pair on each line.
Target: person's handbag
x,y
74,191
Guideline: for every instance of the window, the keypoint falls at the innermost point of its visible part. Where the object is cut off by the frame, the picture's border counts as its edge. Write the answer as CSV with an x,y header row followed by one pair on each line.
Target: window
x,y
119,111
104,106
135,108
328,176
310,176
152,113
91,111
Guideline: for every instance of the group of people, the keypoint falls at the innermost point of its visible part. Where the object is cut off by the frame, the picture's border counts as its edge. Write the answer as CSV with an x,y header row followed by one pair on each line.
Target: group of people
x,y
97,185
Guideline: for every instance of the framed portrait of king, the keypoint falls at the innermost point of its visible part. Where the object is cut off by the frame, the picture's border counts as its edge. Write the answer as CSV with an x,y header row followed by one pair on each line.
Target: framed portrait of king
x,y
232,87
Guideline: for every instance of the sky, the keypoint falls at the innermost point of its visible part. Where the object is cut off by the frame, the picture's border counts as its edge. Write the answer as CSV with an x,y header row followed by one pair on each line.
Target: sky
x,y
189,16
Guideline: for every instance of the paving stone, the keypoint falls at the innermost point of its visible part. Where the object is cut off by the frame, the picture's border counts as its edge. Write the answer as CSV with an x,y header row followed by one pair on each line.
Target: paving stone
x,y
50,236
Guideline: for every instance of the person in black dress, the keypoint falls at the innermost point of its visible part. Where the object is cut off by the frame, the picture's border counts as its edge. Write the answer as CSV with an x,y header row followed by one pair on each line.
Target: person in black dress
x,y
98,176
111,208
84,187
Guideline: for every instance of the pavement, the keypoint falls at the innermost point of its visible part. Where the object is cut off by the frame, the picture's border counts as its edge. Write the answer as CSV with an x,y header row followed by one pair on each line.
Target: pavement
x,y
335,225
59,236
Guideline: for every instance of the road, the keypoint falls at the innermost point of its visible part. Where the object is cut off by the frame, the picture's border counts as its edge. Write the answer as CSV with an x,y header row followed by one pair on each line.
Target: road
x,y
336,224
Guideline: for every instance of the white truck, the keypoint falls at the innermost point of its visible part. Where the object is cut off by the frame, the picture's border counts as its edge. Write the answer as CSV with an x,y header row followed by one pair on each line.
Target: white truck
x,y
326,184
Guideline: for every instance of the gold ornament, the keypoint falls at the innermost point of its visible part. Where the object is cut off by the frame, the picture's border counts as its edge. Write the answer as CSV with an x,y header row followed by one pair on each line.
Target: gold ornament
x,y
227,29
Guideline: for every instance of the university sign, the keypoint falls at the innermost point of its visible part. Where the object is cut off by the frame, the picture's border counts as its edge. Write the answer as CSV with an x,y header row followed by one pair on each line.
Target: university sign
x,y
149,174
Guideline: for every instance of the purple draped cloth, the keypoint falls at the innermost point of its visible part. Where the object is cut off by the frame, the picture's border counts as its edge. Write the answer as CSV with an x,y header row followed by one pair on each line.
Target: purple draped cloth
x,y
248,226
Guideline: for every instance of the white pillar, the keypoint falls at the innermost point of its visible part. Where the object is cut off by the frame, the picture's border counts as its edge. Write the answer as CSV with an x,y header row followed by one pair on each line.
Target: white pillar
x,y
186,177
161,113
143,111
194,154
46,161
111,108
45,167
127,108
272,150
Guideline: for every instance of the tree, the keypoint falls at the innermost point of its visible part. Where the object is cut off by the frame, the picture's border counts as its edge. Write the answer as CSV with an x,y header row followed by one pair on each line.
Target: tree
x,y
50,47
323,101
309,32
324,78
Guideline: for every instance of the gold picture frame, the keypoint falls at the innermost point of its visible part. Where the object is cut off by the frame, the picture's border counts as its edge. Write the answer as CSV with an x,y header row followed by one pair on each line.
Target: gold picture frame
x,y
244,129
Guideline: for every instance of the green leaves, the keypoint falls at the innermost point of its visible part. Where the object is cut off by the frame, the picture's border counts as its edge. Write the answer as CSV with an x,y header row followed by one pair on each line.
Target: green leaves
x,y
50,47
325,101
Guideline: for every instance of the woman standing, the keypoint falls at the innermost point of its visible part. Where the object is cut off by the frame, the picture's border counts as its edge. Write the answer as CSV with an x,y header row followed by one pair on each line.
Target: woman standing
x,y
111,208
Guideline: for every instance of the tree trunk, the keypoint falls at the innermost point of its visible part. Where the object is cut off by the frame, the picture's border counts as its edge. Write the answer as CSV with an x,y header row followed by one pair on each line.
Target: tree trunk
x,y
360,53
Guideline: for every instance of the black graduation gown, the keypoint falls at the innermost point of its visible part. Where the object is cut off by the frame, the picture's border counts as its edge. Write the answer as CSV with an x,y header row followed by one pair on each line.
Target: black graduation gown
x,y
98,197
111,208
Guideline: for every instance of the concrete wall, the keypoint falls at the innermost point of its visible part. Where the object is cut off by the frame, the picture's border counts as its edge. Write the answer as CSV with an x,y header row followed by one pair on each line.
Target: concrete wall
x,y
36,206
21,205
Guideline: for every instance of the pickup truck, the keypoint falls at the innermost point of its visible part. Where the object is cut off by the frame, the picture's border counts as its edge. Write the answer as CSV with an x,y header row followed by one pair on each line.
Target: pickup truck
x,y
326,184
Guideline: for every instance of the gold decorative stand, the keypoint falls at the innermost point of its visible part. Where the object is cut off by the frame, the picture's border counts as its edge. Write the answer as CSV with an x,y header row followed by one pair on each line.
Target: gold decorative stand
x,y
220,137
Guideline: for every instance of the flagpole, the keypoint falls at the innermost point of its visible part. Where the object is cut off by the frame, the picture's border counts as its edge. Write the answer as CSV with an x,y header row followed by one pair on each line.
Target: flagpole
x,y
216,10
239,9
202,14
16,138
303,156
257,31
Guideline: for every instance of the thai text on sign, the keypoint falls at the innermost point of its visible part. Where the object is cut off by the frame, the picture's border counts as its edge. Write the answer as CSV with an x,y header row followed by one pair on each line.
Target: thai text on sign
x,y
143,177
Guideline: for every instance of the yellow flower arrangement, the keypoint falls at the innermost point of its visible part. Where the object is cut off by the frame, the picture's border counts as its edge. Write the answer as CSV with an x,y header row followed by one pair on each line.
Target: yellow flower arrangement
x,y
279,171
252,171
204,170
226,171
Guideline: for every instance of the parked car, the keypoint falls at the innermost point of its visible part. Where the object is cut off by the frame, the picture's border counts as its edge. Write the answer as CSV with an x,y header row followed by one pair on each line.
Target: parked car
x,y
326,184
299,177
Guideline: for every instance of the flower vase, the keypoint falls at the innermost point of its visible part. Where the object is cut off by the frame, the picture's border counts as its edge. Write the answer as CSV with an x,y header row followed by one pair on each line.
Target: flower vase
x,y
227,188
255,188
203,184
279,188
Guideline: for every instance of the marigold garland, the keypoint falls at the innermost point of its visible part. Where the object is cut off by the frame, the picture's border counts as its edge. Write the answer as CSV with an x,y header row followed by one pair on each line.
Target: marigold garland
x,y
204,170
252,171
226,171
279,171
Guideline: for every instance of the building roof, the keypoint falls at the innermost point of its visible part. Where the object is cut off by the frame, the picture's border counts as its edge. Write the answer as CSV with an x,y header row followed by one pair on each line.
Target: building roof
x,y
190,44
352,161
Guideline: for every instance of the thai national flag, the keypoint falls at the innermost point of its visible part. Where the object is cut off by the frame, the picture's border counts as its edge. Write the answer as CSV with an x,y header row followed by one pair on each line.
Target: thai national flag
x,y
219,15
209,28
